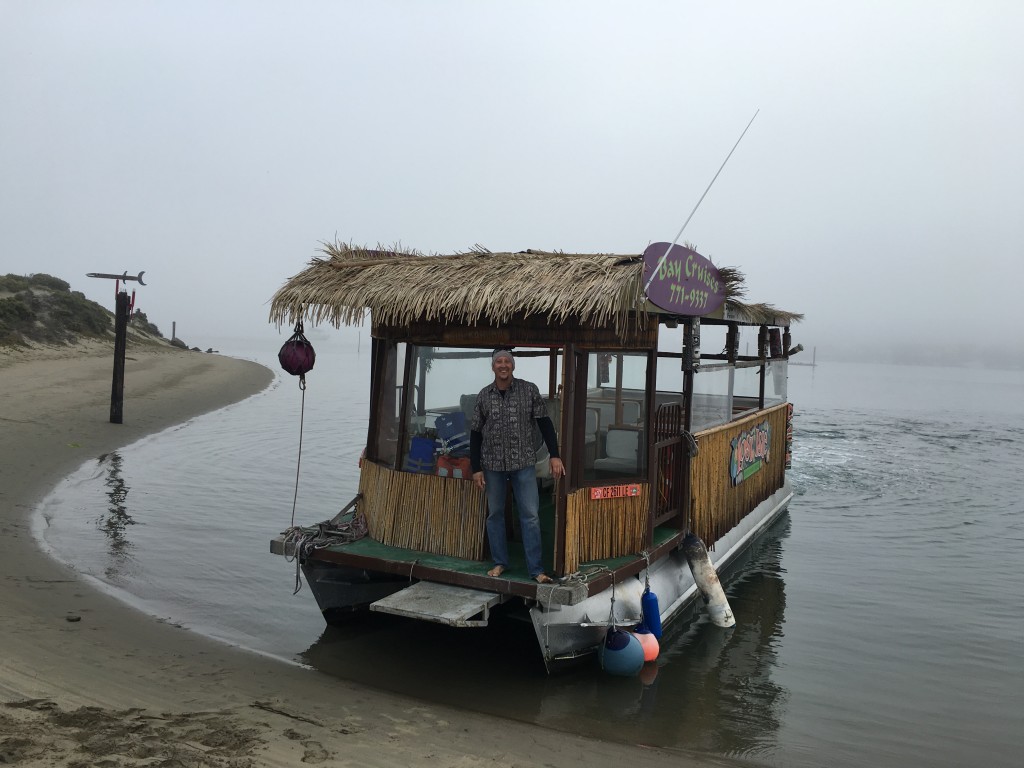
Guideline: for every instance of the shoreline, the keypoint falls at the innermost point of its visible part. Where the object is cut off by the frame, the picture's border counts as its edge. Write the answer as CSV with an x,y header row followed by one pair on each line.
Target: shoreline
x,y
87,677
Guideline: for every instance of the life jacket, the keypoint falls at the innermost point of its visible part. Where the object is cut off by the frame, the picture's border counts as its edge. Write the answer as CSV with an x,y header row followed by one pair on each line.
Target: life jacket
x,y
421,455
453,434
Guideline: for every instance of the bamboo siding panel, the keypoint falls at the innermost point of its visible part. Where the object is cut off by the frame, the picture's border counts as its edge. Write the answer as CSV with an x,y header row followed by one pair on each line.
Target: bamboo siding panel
x,y
439,515
718,505
604,528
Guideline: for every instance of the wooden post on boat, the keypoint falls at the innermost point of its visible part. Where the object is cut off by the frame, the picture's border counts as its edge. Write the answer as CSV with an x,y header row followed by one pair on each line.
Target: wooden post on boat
x,y
762,353
690,341
706,578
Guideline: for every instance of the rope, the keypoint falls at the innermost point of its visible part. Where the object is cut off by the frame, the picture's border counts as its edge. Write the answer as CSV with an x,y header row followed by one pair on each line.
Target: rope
x,y
298,463
330,533
611,608
298,364
585,574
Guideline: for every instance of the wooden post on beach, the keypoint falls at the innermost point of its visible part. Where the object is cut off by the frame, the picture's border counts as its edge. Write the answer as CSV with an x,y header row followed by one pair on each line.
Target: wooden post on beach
x,y
122,314
121,311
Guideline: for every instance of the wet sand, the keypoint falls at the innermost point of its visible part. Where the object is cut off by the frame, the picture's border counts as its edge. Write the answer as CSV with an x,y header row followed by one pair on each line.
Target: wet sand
x,y
87,680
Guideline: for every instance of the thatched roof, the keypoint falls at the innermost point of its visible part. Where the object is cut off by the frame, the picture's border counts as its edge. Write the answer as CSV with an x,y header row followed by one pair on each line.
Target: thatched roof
x,y
400,286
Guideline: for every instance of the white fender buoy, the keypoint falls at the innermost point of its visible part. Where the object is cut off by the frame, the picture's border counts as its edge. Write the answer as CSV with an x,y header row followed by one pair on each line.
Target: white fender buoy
x,y
706,578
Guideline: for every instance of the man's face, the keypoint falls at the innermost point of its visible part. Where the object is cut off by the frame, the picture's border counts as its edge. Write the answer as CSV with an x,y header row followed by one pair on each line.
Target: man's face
x,y
503,368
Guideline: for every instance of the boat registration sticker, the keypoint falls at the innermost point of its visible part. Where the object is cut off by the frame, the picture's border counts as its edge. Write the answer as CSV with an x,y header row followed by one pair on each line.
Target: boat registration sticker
x,y
614,491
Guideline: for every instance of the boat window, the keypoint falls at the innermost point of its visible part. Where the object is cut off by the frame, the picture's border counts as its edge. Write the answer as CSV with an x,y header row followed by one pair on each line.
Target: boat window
x,y
746,390
443,386
669,376
722,393
775,383
747,346
389,404
615,440
712,397
712,341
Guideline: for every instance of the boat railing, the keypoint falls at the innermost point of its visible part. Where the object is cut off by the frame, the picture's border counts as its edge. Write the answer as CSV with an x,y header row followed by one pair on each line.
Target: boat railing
x,y
447,517
425,512
618,526
609,527
669,444
737,466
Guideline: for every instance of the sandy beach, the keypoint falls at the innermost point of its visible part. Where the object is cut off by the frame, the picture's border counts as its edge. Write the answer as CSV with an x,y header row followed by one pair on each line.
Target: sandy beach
x,y
86,680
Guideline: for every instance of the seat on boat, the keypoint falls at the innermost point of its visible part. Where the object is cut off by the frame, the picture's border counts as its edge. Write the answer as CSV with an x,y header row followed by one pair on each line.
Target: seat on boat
x,y
622,452
593,426
630,411
592,431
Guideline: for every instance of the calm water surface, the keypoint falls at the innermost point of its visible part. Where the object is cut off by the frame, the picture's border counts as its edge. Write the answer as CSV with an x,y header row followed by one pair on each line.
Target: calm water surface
x,y
881,622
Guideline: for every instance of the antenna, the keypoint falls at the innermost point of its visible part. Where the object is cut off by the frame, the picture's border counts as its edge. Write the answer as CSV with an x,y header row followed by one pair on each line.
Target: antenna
x,y
680,233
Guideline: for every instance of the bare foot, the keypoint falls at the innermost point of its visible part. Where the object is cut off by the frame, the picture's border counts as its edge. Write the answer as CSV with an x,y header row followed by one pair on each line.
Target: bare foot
x,y
543,578
496,571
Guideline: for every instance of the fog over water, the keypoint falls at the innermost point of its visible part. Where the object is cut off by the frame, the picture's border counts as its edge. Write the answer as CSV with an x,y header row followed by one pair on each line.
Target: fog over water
x,y
216,145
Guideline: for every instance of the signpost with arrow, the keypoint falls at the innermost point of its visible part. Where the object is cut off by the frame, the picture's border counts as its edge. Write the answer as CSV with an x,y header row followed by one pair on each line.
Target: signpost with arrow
x,y
122,314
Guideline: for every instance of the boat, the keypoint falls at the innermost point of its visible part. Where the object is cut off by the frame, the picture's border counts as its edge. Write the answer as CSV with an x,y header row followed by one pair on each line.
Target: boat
x,y
669,451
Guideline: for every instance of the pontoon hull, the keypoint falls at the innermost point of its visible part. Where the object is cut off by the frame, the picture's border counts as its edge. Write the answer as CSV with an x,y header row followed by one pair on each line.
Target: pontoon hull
x,y
342,592
567,632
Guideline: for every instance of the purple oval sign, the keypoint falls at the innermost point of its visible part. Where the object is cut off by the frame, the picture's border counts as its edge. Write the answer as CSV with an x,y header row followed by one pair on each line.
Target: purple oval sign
x,y
684,282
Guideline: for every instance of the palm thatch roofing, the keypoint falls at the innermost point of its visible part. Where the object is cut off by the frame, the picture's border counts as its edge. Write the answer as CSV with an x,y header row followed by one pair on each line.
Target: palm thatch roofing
x,y
401,286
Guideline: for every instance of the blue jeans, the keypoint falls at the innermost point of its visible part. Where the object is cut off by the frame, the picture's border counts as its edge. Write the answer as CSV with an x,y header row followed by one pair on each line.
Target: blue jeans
x,y
524,489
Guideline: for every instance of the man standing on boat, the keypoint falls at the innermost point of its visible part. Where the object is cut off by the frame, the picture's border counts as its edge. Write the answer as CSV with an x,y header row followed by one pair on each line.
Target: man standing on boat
x,y
502,450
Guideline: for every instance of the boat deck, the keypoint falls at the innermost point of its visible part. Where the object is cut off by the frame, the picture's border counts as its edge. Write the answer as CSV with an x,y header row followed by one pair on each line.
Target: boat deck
x,y
374,556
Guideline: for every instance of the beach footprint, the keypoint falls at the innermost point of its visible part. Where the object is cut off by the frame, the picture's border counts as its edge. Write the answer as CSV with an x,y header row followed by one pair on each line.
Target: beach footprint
x,y
315,752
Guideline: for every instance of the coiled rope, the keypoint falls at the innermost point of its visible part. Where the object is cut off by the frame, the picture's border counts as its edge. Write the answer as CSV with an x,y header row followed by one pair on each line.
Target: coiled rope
x,y
330,533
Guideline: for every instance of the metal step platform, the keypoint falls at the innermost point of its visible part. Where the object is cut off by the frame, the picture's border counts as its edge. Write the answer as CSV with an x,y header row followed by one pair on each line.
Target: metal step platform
x,y
441,603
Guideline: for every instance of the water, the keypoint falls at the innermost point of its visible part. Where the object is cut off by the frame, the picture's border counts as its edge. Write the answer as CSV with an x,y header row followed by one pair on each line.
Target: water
x,y
881,622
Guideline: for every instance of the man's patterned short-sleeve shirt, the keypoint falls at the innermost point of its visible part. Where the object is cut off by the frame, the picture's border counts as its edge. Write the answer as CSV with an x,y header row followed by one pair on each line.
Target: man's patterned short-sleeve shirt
x,y
507,424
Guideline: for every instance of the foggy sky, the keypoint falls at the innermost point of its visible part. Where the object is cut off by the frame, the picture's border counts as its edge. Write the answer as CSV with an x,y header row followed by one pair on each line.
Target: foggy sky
x,y
215,144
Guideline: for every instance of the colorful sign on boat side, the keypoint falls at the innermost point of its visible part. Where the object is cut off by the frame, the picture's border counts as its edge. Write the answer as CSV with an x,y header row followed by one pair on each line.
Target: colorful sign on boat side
x,y
684,283
750,449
